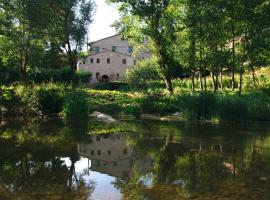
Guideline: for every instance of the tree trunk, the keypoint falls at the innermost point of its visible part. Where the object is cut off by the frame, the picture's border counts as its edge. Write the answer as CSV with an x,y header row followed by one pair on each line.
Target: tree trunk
x,y
22,67
205,83
214,82
253,76
241,79
168,82
200,67
193,82
233,51
221,80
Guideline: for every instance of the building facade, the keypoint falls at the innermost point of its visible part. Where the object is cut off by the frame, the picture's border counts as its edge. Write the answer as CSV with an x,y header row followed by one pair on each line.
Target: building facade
x,y
109,59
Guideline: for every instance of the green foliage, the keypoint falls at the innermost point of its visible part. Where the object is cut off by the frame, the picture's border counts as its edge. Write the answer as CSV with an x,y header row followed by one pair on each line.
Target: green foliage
x,y
143,72
83,77
40,75
76,106
225,107
233,108
199,107
9,99
8,75
45,99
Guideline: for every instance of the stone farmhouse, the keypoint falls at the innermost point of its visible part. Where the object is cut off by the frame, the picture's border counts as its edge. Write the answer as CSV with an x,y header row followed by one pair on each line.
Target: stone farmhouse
x,y
109,59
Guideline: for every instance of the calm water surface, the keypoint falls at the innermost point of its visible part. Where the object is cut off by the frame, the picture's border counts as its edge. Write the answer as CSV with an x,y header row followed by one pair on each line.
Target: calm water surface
x,y
133,160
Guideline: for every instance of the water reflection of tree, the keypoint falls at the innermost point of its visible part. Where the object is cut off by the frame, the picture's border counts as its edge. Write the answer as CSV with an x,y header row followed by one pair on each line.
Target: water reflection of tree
x,y
221,166
31,166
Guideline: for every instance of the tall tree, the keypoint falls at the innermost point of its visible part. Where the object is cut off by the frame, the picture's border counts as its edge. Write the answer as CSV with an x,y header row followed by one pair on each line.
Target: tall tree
x,y
159,22
69,26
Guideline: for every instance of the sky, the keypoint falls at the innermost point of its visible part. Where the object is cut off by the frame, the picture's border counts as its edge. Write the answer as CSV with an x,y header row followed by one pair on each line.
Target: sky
x,y
103,17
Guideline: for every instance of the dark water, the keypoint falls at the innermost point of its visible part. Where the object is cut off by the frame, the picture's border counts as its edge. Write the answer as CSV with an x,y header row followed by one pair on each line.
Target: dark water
x,y
133,160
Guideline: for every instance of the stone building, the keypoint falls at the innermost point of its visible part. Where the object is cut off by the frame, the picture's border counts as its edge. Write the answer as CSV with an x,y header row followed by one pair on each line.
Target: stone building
x,y
109,59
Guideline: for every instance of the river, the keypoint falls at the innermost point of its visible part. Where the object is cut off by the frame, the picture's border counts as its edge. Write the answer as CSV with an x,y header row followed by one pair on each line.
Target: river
x,y
51,159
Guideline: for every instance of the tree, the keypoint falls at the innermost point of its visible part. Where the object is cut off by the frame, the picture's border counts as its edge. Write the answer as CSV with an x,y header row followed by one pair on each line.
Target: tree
x,y
158,21
69,25
22,30
36,30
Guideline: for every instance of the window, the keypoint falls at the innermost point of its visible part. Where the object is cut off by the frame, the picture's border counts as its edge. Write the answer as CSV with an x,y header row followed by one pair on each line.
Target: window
x,y
91,60
124,61
113,48
109,152
97,49
108,60
125,151
130,49
97,75
98,60
92,152
99,152
125,174
117,75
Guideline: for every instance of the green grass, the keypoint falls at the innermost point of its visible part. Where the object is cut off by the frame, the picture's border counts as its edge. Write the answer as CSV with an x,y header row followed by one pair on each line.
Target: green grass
x,y
46,99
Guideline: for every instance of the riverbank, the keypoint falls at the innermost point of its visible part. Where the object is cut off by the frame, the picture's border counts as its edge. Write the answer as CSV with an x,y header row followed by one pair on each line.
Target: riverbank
x,y
61,100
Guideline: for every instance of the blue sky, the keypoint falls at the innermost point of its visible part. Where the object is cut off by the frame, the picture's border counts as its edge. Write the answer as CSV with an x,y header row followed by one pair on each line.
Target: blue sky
x,y
103,17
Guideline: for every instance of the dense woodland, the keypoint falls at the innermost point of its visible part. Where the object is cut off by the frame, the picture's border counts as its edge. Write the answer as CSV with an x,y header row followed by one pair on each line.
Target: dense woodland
x,y
42,35
204,54
198,38
202,37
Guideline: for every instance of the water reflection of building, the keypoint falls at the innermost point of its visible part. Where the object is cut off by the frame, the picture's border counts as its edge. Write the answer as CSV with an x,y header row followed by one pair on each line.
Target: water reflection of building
x,y
111,155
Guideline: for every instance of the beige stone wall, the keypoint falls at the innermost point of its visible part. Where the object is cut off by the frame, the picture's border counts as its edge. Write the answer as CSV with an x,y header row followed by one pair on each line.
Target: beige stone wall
x,y
115,70
122,46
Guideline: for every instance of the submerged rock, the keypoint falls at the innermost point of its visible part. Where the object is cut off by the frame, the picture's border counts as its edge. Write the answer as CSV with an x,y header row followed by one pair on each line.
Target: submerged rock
x,y
172,117
264,178
103,117
3,110
150,117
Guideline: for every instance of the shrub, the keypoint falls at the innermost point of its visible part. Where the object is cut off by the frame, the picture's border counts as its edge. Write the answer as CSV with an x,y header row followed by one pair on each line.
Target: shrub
x,y
76,105
9,99
143,72
43,99
8,75
233,108
132,109
198,107
258,106
83,77
40,75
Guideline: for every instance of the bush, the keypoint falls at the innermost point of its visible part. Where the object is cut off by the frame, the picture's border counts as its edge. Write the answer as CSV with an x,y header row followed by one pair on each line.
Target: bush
x,y
40,75
45,99
233,108
9,99
198,107
9,75
109,86
76,105
83,77
258,106
143,72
